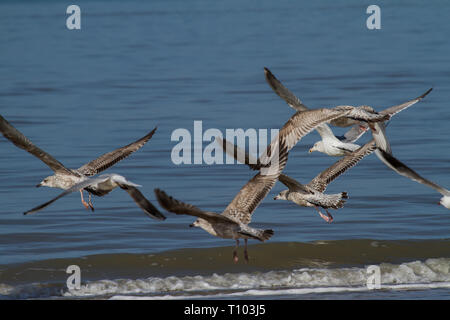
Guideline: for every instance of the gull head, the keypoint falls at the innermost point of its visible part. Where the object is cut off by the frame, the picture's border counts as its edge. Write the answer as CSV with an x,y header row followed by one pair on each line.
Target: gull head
x,y
50,181
318,146
282,195
201,223
445,201
205,225
196,223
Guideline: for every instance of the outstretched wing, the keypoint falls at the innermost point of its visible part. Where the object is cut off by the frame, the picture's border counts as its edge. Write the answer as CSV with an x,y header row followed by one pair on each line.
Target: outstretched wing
x,y
249,197
292,184
109,159
256,189
404,170
178,207
284,92
396,109
16,137
325,132
301,123
358,130
239,154
321,181
83,184
379,135
142,202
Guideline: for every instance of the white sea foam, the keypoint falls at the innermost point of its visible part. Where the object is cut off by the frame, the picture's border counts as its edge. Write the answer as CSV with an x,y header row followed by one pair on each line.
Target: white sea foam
x,y
288,292
416,275
432,273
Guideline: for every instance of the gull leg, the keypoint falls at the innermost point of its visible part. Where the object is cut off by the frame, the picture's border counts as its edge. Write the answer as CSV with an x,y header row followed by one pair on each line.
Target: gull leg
x,y
82,200
90,202
329,216
324,217
245,251
235,257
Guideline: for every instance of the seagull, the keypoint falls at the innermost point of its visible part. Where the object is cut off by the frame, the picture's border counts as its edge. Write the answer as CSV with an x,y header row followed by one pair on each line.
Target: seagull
x,y
63,177
384,153
331,144
233,222
305,196
104,184
311,194
303,122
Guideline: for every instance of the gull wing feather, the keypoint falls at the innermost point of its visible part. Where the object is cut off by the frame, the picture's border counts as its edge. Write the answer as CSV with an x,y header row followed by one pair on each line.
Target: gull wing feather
x,y
238,154
18,139
358,130
109,159
178,207
325,132
142,202
304,122
293,184
379,135
354,133
283,92
255,190
396,109
321,181
404,170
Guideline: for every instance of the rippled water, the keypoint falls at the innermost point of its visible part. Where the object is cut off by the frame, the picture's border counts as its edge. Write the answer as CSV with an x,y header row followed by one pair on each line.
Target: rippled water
x,y
137,65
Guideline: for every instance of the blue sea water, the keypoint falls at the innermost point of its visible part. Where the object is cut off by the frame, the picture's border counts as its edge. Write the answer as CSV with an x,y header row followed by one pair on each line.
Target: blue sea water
x,y
137,65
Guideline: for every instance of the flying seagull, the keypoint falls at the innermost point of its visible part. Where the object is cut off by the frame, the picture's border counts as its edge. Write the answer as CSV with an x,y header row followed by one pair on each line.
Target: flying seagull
x,y
311,194
233,222
303,122
305,196
63,177
330,144
104,184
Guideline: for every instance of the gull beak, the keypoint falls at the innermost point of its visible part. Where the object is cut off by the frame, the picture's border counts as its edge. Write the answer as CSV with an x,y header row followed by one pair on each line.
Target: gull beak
x,y
39,185
310,150
191,225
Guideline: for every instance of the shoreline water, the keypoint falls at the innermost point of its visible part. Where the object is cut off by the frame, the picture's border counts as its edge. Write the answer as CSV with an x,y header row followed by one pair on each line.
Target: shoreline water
x,y
139,64
275,270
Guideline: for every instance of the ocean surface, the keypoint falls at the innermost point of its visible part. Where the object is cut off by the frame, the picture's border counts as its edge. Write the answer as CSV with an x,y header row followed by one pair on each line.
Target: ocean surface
x,y
137,65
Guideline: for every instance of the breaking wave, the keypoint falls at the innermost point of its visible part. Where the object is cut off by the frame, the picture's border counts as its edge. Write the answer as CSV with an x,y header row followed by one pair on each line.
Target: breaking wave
x,y
416,275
